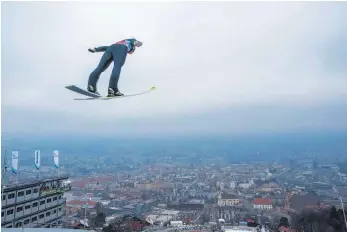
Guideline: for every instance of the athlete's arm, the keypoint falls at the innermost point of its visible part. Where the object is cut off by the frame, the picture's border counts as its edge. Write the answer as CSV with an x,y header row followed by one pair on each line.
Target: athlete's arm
x,y
98,49
132,50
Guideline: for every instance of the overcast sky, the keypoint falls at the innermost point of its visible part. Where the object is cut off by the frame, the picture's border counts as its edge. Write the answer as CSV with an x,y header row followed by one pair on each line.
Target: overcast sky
x,y
226,67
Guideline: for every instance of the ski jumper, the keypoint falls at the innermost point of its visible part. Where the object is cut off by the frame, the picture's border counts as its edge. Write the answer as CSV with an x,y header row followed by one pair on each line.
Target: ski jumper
x,y
117,53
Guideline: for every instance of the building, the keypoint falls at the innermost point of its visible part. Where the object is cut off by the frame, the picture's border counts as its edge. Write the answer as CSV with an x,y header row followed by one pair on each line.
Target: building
x,y
240,228
269,187
278,199
73,206
245,185
138,223
232,185
176,223
131,223
225,199
262,203
184,207
37,204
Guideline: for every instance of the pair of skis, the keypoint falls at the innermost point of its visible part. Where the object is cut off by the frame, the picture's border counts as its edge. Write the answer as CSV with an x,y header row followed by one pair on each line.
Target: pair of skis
x,y
92,96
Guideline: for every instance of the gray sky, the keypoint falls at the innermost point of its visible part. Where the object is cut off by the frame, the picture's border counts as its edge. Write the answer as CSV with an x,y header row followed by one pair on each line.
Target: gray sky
x,y
226,67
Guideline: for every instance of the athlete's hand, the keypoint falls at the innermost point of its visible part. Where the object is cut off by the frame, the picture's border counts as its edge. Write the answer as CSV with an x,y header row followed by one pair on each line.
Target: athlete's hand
x,y
92,50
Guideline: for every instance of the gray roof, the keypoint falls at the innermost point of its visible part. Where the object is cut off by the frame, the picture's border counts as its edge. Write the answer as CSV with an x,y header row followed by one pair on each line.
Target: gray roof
x,y
229,196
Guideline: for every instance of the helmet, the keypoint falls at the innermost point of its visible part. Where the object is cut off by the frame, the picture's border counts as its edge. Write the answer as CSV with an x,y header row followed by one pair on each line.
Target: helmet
x,y
136,42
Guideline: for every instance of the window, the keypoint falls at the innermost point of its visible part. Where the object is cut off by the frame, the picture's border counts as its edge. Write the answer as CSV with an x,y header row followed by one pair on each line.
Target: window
x,y
54,198
26,222
55,211
4,197
48,214
28,192
60,196
20,194
49,200
19,224
42,202
27,207
19,209
33,219
11,195
41,216
9,212
35,204
2,213
36,190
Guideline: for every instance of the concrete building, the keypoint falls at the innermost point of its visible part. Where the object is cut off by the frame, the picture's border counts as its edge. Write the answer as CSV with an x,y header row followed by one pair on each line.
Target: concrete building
x,y
232,185
176,223
225,199
38,204
245,185
262,203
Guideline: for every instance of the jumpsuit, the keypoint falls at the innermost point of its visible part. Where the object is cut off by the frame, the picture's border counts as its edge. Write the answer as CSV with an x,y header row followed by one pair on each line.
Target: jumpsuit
x,y
117,53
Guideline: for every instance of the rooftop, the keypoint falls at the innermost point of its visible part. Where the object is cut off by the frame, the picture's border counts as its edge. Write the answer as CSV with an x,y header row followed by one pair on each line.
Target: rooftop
x,y
11,187
79,202
262,201
239,229
228,196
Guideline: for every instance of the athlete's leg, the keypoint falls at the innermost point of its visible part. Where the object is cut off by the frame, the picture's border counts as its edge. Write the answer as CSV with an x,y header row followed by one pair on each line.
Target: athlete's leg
x,y
119,53
105,61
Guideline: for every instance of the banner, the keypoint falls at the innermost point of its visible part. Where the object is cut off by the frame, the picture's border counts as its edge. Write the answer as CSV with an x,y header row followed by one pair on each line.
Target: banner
x,y
37,159
15,156
56,158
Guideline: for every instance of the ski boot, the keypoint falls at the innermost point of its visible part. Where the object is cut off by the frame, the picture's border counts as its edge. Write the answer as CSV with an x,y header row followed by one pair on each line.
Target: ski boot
x,y
91,89
112,93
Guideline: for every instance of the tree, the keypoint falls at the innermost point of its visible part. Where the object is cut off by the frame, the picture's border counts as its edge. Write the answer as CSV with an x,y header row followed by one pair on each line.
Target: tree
x,y
100,220
333,213
99,208
283,222
112,228
118,225
206,217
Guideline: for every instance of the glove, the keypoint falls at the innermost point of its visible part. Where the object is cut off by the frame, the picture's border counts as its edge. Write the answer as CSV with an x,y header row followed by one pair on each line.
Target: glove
x,y
92,50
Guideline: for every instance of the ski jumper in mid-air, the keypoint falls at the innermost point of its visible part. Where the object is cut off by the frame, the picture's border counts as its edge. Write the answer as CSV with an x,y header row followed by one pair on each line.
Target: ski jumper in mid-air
x,y
117,53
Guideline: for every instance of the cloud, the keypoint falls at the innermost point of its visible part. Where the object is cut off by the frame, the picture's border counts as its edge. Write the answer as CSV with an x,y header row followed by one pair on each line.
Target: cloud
x,y
202,56
237,120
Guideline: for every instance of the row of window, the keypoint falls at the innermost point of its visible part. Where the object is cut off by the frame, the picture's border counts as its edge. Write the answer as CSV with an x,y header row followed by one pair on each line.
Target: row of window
x,y
19,224
34,204
19,194
35,218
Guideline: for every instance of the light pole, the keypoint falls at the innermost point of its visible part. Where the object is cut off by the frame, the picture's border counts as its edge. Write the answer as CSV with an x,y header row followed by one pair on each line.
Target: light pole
x,y
85,209
343,208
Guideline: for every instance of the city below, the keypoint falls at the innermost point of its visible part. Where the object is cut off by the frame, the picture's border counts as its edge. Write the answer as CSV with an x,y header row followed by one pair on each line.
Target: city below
x,y
174,193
